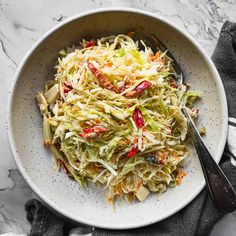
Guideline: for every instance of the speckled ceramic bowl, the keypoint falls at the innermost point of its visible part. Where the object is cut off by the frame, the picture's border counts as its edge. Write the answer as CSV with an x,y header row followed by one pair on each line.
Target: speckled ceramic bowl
x,y
89,205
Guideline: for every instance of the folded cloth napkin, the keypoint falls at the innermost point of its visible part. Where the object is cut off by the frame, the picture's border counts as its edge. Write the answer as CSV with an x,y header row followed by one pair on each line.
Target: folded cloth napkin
x,y
200,216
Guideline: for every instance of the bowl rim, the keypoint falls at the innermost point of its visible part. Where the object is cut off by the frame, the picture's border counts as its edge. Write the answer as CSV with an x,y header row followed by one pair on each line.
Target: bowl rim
x,y
223,103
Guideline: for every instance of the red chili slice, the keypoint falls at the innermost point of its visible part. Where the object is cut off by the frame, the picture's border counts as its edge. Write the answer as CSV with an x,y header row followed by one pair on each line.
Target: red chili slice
x,y
90,44
66,92
92,132
120,90
77,161
133,150
88,130
104,82
67,88
138,118
142,86
173,85
95,129
138,89
99,129
68,84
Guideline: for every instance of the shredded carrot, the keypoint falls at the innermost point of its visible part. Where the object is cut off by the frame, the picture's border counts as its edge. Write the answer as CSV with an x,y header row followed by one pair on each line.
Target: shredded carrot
x,y
162,157
156,56
109,64
132,184
110,200
119,190
180,176
47,142
139,185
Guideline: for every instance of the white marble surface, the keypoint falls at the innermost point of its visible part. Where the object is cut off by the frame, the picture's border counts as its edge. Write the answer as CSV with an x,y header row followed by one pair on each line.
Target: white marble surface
x,y
22,22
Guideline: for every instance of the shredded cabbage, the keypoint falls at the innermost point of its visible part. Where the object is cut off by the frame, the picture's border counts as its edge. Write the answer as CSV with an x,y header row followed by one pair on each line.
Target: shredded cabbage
x,y
112,116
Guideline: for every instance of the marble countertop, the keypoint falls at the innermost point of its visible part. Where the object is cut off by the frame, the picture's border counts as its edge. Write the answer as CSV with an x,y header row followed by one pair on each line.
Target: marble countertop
x,y
23,22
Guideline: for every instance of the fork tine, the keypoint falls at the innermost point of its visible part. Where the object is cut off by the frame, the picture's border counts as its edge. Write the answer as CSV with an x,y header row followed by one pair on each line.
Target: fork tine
x,y
155,44
176,67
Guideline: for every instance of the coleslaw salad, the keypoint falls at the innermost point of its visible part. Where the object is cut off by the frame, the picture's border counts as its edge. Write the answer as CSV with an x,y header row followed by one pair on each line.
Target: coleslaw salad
x,y
112,116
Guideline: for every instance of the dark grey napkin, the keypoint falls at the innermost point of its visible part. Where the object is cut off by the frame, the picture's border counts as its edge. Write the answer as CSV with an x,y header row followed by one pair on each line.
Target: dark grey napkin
x,y
43,221
200,216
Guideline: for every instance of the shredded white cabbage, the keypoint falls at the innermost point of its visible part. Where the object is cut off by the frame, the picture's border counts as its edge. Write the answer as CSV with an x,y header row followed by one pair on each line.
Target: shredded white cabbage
x,y
113,116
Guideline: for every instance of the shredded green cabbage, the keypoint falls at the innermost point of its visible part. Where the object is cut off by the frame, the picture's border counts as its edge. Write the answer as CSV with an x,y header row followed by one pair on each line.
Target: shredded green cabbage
x,y
104,127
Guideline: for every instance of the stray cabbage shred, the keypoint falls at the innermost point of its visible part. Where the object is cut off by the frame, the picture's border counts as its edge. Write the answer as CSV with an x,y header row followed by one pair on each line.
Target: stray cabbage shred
x,y
112,116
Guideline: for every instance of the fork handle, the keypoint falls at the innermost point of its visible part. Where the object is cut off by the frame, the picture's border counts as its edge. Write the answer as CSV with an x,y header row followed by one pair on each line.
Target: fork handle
x,y
219,186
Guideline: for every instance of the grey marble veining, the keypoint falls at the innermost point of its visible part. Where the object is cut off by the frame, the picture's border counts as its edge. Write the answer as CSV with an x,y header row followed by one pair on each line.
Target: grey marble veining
x,y
23,22
13,197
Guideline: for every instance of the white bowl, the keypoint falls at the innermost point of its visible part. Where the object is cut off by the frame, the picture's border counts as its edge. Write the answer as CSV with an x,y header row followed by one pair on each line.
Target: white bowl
x,y
88,205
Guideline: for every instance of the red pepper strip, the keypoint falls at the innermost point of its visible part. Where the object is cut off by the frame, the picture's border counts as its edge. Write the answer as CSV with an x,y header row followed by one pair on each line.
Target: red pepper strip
x,y
138,118
77,162
139,88
104,82
90,44
95,129
99,129
173,85
68,84
142,86
88,130
68,87
120,90
62,164
66,90
133,150
92,132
